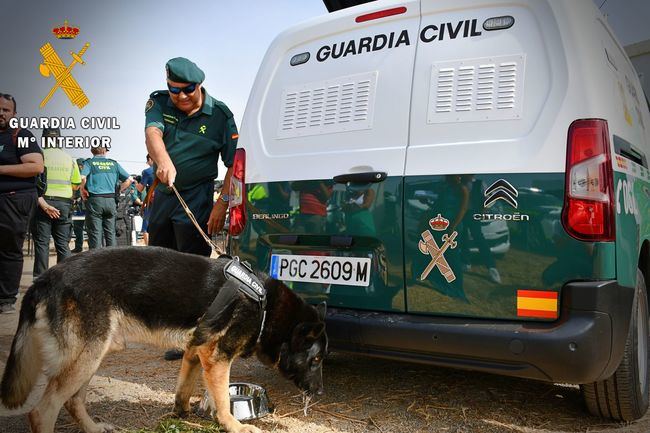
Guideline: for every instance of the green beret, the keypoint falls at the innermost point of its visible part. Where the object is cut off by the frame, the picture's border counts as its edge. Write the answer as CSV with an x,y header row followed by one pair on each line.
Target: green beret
x,y
182,70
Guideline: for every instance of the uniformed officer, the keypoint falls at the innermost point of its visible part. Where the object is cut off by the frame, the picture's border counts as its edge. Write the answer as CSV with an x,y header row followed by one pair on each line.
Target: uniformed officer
x,y
54,213
187,130
99,177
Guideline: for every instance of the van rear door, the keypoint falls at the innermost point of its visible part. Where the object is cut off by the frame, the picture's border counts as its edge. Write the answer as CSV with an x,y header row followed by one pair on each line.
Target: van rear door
x,y
484,181
333,99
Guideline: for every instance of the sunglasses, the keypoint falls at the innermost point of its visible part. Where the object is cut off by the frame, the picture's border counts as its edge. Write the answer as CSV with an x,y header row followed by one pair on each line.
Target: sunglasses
x,y
189,89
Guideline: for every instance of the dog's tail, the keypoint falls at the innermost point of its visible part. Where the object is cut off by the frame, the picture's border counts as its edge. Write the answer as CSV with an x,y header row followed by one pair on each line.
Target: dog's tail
x,y
23,371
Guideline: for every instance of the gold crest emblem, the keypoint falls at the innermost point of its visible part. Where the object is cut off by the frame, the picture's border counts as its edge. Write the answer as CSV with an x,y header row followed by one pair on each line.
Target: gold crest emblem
x,y
429,246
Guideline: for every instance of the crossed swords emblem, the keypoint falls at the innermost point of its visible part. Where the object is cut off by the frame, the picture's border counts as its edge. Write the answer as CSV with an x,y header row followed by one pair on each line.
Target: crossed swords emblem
x,y
52,65
428,245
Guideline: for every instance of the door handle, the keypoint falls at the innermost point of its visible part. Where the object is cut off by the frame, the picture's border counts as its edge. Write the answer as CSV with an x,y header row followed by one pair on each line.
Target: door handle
x,y
367,177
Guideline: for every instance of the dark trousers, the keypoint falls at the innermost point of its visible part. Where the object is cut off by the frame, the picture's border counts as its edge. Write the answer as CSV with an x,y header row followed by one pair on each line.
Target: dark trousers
x,y
169,225
100,217
78,228
15,212
58,228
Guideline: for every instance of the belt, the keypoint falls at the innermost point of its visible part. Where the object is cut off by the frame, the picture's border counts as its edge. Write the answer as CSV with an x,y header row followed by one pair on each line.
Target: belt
x,y
108,195
55,198
20,191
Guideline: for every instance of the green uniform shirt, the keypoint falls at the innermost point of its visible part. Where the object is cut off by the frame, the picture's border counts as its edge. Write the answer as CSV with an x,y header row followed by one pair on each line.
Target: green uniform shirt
x,y
62,173
194,142
103,174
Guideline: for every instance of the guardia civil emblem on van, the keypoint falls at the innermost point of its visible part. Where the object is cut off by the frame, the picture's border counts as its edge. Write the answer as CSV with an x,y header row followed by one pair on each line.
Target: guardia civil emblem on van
x,y
429,246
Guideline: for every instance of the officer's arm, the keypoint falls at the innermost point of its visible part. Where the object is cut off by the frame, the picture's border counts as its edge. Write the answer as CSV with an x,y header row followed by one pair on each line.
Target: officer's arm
x,y
218,215
84,191
124,185
30,165
75,177
165,170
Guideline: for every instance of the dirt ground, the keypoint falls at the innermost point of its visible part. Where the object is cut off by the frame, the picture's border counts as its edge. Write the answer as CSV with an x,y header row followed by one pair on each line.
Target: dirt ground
x,y
134,390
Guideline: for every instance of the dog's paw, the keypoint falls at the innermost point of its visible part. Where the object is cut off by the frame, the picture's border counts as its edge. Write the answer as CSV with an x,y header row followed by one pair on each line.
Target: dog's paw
x,y
180,412
247,428
102,427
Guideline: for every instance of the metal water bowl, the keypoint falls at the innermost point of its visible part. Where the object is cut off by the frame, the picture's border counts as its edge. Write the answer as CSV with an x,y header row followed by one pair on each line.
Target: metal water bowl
x,y
247,401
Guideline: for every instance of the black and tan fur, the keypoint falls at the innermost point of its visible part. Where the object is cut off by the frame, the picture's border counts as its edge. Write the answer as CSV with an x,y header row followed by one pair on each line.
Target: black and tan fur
x,y
97,302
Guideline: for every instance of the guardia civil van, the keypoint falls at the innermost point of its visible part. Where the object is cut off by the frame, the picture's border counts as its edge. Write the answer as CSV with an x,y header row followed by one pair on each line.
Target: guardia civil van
x,y
466,184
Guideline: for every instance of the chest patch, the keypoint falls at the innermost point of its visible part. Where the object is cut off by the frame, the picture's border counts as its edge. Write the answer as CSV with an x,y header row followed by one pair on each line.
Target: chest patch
x,y
250,285
172,120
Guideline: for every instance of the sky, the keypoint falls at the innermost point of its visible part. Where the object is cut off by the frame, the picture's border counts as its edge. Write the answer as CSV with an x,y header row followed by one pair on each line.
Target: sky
x,y
630,19
131,40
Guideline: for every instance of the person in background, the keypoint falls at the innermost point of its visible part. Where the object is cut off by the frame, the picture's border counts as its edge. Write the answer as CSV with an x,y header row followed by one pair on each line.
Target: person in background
x,y
78,210
18,169
147,182
53,216
98,179
137,192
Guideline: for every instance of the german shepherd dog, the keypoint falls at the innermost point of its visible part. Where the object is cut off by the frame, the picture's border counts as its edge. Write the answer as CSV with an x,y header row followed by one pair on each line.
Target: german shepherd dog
x,y
97,302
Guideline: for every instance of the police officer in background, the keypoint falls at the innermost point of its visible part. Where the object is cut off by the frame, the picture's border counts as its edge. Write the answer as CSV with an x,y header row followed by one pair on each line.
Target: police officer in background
x,y
54,212
187,130
18,169
98,179
78,210
147,181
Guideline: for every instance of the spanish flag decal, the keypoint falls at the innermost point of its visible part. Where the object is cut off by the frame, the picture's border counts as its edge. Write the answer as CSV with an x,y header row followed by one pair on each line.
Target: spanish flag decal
x,y
234,136
537,304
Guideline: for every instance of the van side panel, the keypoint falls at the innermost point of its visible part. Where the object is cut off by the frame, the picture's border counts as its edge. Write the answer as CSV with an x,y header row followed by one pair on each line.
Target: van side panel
x,y
628,126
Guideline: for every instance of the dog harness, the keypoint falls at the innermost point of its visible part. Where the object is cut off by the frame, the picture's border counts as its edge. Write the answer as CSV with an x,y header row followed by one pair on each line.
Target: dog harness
x,y
249,285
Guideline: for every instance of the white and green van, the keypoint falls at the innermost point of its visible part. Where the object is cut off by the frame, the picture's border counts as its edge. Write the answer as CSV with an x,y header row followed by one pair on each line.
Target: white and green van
x,y
465,182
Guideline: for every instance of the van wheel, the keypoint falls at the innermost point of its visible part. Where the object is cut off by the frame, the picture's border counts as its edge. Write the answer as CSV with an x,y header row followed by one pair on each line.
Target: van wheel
x,y
624,396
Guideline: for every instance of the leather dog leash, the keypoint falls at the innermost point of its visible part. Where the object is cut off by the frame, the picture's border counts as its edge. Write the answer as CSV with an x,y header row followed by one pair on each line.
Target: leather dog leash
x,y
190,215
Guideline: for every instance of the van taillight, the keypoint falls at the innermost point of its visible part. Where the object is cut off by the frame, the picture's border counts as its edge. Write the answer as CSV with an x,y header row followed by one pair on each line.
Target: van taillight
x,y
588,212
238,193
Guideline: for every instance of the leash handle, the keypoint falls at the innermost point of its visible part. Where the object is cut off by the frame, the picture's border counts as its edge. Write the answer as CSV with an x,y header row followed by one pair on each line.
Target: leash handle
x,y
190,215
149,197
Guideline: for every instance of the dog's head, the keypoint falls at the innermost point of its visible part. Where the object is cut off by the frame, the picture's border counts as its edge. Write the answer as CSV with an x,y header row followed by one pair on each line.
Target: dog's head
x,y
301,359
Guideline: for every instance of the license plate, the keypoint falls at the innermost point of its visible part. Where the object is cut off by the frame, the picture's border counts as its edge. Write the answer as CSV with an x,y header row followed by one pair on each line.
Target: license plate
x,y
348,271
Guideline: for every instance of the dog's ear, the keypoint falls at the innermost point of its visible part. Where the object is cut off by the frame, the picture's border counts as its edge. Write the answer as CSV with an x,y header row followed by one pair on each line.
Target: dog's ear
x,y
306,333
322,310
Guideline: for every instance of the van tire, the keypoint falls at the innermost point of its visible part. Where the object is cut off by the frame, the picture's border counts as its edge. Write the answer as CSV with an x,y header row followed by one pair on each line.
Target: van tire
x,y
623,396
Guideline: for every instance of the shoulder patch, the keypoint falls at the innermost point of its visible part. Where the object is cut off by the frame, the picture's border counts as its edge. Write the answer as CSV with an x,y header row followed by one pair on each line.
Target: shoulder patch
x,y
223,107
159,94
149,105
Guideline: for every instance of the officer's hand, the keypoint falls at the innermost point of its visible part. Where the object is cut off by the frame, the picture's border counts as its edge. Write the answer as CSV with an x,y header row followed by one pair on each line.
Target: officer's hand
x,y
84,194
166,172
52,212
217,217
